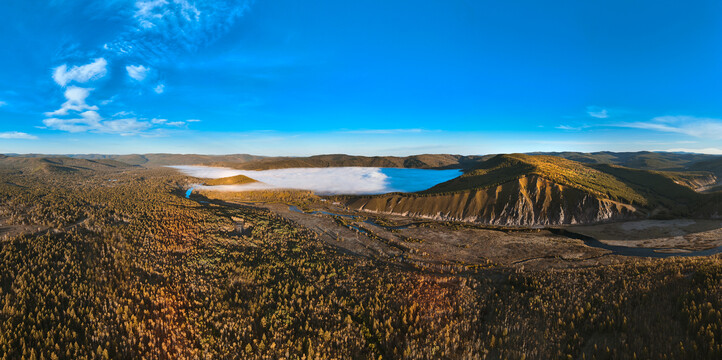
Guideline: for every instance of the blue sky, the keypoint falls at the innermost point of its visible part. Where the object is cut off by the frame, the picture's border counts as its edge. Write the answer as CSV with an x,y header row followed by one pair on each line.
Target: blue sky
x,y
373,77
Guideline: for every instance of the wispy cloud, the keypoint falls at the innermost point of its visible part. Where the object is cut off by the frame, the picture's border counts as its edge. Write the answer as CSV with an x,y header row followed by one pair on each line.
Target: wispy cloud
x,y
192,120
159,89
176,123
129,126
597,112
93,122
137,72
83,73
687,125
17,135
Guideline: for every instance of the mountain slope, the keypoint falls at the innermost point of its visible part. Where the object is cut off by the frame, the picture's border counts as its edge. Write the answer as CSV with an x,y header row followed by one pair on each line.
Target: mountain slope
x,y
518,189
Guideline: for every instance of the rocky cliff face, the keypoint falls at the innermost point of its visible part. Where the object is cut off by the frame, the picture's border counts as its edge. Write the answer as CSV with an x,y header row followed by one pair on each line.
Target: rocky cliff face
x,y
527,201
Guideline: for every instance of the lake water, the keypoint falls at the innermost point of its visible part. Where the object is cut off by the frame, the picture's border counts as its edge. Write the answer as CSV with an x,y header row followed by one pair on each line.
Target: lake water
x,y
327,181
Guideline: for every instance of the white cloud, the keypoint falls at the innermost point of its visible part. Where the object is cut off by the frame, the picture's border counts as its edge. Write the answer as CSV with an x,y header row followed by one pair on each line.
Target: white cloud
x,y
88,120
17,135
597,112
158,121
687,125
192,120
83,73
159,89
137,72
75,97
339,180
176,123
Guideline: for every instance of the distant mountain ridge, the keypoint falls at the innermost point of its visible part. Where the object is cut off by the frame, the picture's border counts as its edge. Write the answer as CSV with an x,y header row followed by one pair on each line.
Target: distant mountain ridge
x,y
424,161
153,160
645,160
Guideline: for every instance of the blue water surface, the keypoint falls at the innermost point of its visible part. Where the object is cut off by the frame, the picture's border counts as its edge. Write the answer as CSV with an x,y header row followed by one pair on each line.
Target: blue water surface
x,y
412,180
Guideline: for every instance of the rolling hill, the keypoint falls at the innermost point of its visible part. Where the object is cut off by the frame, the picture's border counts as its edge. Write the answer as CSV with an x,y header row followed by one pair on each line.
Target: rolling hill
x,y
231,180
519,189
59,165
152,160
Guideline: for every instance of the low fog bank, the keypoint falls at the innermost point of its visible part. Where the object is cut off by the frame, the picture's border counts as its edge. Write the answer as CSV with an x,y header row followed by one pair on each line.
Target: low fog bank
x,y
327,181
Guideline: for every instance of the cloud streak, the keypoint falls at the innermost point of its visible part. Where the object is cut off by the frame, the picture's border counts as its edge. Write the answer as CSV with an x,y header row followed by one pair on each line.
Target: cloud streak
x,y
597,112
687,125
567,127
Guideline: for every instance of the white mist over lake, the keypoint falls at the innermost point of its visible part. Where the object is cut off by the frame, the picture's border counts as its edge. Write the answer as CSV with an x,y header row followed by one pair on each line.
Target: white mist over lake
x,y
327,181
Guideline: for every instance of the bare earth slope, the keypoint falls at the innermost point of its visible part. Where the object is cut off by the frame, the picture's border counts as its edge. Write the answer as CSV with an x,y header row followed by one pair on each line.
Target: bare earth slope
x,y
529,200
